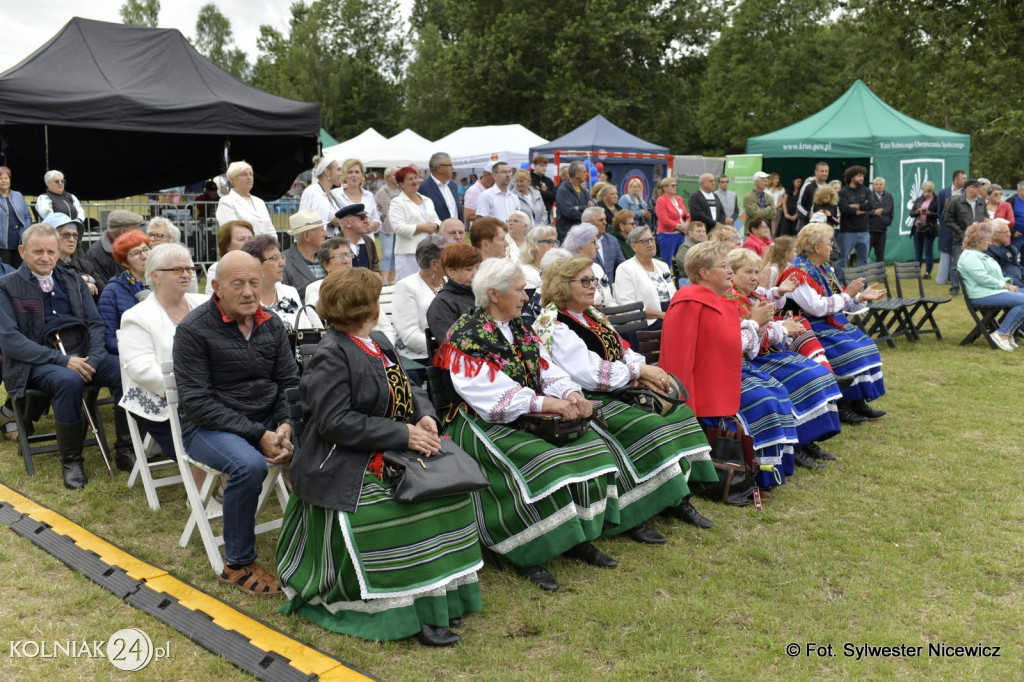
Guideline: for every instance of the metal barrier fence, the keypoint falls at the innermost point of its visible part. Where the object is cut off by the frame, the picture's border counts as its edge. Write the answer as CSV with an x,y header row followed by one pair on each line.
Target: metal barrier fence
x,y
196,220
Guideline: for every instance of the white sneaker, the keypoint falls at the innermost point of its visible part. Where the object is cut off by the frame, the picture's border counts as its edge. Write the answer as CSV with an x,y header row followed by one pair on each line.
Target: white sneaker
x,y
1013,341
1001,342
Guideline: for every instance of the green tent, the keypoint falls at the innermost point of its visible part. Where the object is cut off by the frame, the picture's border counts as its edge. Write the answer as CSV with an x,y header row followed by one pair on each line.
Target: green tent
x,y
326,140
859,128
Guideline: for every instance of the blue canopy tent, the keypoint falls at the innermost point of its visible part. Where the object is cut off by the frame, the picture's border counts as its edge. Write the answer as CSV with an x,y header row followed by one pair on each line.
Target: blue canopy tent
x,y
623,154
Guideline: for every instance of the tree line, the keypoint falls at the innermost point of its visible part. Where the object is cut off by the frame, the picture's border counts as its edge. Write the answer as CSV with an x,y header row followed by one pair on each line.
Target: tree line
x,y
697,77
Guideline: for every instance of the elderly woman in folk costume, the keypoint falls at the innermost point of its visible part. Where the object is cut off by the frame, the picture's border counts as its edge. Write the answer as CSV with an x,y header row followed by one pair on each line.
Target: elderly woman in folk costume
x,y
545,499
657,455
823,300
812,387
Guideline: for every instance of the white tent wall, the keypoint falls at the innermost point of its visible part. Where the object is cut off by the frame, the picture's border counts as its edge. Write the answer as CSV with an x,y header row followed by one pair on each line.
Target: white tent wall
x,y
479,147
377,151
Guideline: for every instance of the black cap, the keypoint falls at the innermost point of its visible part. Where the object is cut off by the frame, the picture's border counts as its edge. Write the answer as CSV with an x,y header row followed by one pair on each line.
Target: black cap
x,y
210,186
351,209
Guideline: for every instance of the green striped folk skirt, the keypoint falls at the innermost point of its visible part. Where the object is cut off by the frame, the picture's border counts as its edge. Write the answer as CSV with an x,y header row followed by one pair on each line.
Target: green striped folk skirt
x,y
381,572
659,459
543,499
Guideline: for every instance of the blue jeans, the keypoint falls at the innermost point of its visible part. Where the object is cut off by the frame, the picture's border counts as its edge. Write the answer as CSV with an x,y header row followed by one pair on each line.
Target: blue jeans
x,y
924,251
66,386
854,242
954,275
387,249
1014,317
246,468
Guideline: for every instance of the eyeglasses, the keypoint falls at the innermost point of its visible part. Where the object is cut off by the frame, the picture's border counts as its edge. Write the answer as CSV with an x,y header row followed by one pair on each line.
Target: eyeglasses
x,y
646,240
553,242
735,239
275,259
587,282
69,235
136,253
154,236
179,271
61,181
342,257
633,224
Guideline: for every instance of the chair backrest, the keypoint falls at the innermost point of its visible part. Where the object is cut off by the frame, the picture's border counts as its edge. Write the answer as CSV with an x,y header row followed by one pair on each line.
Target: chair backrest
x,y
908,270
627,318
873,273
650,345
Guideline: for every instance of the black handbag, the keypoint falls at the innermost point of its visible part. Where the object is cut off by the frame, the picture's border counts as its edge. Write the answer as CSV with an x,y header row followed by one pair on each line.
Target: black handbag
x,y
653,401
415,477
736,478
555,430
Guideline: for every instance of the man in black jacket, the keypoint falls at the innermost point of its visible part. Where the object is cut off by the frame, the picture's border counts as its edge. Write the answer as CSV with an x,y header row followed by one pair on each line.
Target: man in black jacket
x,y
705,206
854,205
880,217
99,259
233,363
962,210
36,300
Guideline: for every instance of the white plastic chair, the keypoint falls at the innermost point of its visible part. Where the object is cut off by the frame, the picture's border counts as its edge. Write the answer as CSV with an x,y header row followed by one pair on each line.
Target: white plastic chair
x,y
202,508
144,468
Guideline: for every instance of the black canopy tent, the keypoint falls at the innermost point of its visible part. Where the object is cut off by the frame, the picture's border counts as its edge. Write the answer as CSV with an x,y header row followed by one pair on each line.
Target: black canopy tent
x,y
122,110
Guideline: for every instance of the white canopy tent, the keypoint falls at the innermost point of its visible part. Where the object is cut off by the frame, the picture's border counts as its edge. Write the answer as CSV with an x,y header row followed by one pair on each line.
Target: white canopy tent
x,y
376,151
480,146
413,140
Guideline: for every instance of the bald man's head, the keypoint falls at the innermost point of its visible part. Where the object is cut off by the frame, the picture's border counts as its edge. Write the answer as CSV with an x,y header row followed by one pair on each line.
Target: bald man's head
x,y
237,284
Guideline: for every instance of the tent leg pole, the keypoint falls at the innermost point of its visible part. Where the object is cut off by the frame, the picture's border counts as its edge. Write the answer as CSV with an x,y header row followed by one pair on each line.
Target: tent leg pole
x,y
46,143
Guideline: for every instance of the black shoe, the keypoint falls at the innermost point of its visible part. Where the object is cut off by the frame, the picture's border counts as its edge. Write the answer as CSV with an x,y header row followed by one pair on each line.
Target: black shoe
x,y
848,416
124,450
926,275
805,460
863,409
646,535
125,460
539,576
587,553
815,451
688,513
431,635
455,622
843,382
69,444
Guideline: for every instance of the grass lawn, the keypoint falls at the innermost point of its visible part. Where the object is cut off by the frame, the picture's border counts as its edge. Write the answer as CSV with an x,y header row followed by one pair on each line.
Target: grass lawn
x,y
912,537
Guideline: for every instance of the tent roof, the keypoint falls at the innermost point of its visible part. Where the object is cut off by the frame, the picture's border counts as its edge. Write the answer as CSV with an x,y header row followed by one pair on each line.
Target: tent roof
x,y
413,140
115,90
117,77
599,133
859,123
482,145
326,139
376,151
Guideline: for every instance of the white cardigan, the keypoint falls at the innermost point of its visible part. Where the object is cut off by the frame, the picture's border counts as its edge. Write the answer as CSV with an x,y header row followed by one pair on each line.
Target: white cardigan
x,y
405,216
633,283
145,340
409,305
234,207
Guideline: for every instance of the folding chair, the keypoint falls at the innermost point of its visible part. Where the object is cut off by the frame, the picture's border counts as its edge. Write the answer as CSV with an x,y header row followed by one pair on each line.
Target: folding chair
x,y
144,468
627,318
202,508
925,305
987,319
650,345
31,444
887,317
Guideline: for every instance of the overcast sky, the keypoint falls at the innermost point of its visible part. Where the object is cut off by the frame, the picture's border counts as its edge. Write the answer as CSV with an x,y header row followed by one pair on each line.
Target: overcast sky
x,y
28,25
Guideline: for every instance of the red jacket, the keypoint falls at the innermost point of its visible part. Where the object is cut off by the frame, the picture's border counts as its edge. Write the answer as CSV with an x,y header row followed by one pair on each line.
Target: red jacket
x,y
700,344
757,245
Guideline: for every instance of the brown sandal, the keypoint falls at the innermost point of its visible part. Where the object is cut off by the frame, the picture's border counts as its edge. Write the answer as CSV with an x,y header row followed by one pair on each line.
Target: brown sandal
x,y
251,579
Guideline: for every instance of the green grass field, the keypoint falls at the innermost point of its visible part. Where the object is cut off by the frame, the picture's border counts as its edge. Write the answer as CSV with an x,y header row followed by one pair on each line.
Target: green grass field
x,y
912,538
